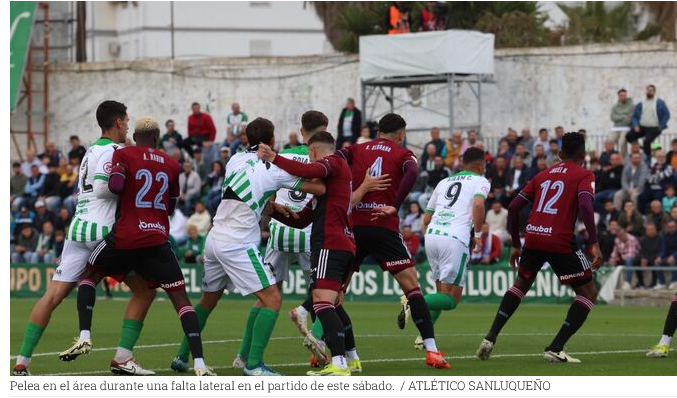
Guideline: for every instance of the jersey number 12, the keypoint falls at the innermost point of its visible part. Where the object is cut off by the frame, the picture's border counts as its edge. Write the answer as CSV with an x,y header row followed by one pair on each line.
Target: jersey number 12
x,y
547,186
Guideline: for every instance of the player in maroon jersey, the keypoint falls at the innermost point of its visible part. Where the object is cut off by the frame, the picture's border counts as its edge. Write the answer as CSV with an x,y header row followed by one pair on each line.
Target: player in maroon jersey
x,y
377,232
332,243
558,195
147,182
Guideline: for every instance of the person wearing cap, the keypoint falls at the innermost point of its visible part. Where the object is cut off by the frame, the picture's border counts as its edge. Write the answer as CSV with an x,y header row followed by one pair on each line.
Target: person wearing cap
x,y
649,119
224,156
349,125
42,215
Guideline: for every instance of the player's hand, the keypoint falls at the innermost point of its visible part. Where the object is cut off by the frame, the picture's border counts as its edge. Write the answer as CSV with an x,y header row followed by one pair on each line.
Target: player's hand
x,y
515,255
265,153
478,245
380,183
286,211
383,212
596,256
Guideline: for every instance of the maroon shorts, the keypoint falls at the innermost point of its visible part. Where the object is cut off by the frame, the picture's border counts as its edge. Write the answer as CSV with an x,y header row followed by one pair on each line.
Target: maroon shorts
x,y
384,245
330,268
571,268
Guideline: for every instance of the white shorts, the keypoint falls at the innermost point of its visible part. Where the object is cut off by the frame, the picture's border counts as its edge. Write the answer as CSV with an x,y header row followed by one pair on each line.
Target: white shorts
x,y
73,260
235,265
448,259
281,261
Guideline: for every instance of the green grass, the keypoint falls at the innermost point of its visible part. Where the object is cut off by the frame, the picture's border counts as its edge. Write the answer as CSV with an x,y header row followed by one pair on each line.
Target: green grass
x,y
384,349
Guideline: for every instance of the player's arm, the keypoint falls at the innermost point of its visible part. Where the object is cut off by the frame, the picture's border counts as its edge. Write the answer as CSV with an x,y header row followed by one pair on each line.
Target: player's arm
x,y
409,176
174,192
370,184
478,219
586,213
315,187
104,169
319,169
298,220
514,209
430,210
345,153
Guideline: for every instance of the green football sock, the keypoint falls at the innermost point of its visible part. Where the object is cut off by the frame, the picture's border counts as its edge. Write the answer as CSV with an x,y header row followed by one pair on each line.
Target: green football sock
x,y
434,314
31,339
263,328
440,302
317,329
131,330
246,343
202,315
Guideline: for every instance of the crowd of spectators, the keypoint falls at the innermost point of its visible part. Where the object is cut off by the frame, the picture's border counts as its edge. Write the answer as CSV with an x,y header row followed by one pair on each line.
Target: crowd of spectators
x,y
635,201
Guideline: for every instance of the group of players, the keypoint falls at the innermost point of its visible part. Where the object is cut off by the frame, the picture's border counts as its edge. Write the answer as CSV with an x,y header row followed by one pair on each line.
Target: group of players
x,y
330,210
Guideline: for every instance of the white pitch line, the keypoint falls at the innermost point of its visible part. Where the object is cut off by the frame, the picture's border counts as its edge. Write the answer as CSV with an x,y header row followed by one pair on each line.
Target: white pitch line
x,y
460,357
164,345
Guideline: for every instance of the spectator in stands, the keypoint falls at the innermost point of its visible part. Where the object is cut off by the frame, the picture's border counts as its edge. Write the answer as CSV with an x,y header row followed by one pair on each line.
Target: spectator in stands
x,y
414,218
673,213
192,251
605,156
57,247
294,140
63,164
497,219
527,140
469,142
399,19
177,227
669,200
214,182
625,252
51,189
210,151
660,176
633,180
433,16
224,156
607,238
42,215
428,158
631,220
190,184
671,157
349,124
198,163
17,185
69,189
435,175
607,215
669,255
63,220
657,216
497,176
621,116
365,135
26,243
437,142
51,153
553,152
523,153
609,181
241,144
30,161
504,151
34,185
200,127
543,139
236,120
649,119
516,178
512,139
77,151
635,148
44,165
650,246
452,150
43,250
201,219
412,241
24,216
539,153
490,250
559,133
171,138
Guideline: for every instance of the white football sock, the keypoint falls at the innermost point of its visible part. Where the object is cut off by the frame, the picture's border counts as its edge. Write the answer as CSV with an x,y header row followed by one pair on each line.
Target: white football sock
x,y
665,340
122,355
22,360
430,345
352,354
199,363
84,335
339,361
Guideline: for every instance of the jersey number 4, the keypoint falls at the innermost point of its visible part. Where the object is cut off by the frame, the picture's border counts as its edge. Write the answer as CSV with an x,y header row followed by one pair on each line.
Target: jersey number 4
x,y
147,177
546,187
376,168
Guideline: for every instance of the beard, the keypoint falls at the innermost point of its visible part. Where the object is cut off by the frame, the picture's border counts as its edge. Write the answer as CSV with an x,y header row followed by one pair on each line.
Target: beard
x,y
649,96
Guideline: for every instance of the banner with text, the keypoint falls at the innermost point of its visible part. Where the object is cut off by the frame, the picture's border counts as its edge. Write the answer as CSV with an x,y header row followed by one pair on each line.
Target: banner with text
x,y
21,15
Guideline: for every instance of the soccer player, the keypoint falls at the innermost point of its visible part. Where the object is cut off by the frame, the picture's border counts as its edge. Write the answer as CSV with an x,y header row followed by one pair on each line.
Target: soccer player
x,y
147,182
662,349
94,217
377,224
456,205
332,242
558,195
232,258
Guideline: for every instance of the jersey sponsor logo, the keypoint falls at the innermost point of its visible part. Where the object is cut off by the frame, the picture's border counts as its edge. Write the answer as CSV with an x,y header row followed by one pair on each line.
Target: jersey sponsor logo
x,y
369,205
397,262
152,226
571,276
182,282
539,229
108,167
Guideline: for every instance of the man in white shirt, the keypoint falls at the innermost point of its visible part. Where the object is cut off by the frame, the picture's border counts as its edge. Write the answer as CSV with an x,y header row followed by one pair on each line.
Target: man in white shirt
x,y
497,218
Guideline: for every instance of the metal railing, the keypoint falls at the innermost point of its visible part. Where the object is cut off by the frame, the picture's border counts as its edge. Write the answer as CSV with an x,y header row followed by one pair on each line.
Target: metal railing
x,y
633,268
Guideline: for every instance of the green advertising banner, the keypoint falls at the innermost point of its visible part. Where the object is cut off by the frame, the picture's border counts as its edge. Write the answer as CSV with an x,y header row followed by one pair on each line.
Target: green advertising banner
x,y
21,15
485,284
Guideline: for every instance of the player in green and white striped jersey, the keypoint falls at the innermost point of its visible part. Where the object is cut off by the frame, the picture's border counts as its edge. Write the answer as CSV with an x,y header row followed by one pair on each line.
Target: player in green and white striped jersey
x,y
232,258
94,217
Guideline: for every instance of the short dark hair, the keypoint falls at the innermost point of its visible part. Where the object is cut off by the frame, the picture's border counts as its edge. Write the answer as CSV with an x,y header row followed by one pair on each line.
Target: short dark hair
x,y
74,137
651,86
553,141
16,164
542,130
322,137
312,120
573,145
194,103
168,121
472,154
559,128
391,123
108,112
259,131
622,91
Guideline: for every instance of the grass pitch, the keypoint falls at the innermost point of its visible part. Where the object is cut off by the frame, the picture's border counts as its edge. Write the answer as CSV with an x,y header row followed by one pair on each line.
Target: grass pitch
x,y
612,341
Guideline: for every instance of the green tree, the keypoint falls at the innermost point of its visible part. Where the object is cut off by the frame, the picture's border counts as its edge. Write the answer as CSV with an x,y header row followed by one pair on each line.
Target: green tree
x,y
595,23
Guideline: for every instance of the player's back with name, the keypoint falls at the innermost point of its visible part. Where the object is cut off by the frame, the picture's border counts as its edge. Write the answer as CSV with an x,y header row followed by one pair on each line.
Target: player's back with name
x,y
151,178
